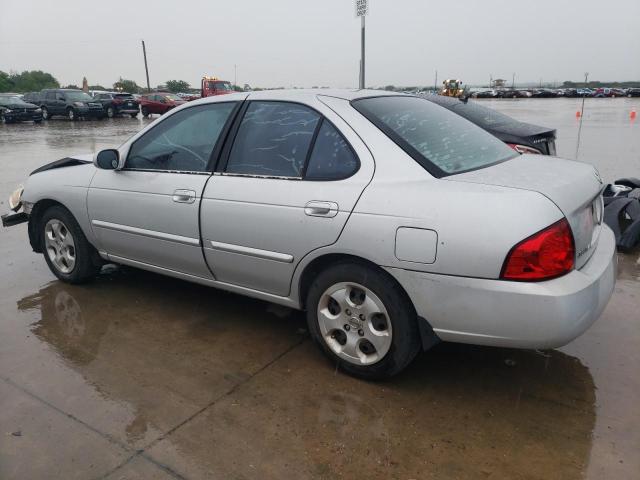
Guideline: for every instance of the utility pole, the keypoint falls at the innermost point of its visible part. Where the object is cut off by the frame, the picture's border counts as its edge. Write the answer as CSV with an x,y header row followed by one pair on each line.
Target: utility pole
x,y
362,9
435,83
235,75
513,81
146,67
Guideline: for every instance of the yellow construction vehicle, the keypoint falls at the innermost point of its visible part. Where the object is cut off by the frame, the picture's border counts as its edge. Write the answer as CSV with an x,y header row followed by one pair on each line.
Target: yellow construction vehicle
x,y
452,88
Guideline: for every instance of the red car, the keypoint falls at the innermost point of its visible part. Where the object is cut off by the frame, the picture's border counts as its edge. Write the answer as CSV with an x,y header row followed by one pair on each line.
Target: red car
x,y
159,102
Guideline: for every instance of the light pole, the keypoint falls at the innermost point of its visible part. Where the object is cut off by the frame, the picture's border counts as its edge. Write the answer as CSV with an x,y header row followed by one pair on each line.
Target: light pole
x,y
362,9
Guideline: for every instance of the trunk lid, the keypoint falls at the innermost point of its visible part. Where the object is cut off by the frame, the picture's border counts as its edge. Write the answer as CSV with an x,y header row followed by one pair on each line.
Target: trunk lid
x,y
575,187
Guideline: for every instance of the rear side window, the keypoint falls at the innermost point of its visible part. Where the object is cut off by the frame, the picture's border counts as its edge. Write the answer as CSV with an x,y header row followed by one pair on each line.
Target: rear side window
x,y
332,157
273,139
441,141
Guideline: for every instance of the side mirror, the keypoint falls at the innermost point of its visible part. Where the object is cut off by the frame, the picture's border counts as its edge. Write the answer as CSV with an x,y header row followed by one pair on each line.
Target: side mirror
x,y
108,159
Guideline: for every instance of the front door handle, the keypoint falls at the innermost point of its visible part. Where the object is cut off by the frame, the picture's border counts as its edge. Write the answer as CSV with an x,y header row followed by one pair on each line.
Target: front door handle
x,y
317,208
184,196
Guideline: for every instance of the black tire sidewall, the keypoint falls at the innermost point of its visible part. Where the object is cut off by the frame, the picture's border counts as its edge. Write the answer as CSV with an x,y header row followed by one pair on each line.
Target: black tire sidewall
x,y
405,343
85,268
113,112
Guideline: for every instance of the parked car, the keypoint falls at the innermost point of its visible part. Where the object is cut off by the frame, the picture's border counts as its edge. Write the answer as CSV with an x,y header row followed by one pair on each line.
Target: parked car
x,y
633,92
392,221
522,137
543,93
159,102
72,104
118,103
32,97
14,109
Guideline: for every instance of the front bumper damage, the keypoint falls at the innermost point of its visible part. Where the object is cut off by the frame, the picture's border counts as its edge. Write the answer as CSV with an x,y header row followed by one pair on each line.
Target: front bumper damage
x,y
11,219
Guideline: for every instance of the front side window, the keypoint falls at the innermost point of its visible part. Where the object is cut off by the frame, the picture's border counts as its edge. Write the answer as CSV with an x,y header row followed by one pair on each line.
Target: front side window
x,y
273,139
441,141
332,157
182,142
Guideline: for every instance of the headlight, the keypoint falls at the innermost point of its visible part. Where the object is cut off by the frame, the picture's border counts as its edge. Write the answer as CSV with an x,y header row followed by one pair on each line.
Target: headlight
x,y
79,104
7,110
38,110
15,199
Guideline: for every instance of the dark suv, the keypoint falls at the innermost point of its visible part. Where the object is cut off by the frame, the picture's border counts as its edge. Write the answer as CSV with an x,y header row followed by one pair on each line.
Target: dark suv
x,y
73,104
117,103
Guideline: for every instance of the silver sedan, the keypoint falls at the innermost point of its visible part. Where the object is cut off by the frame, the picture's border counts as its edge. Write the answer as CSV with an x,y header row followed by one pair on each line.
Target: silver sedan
x,y
393,222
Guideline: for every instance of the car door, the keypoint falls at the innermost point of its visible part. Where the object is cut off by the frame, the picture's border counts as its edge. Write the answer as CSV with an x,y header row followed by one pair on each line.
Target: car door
x,y
273,201
146,214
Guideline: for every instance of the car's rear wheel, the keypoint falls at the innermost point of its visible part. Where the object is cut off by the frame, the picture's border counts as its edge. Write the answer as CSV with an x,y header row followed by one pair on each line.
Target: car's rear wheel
x,y
134,115
71,114
67,251
362,320
111,112
45,113
145,112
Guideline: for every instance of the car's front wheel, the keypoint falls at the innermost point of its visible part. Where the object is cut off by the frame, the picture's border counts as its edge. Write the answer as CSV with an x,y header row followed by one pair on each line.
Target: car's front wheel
x,y
45,113
71,114
66,250
134,115
145,112
111,112
362,320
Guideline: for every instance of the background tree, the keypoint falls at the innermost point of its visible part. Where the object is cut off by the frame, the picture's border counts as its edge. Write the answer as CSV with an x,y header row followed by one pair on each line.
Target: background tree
x,y
72,87
6,85
97,87
27,81
128,86
176,86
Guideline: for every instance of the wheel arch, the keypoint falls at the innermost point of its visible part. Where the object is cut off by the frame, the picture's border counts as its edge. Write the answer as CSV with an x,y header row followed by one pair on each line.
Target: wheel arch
x,y
35,218
427,336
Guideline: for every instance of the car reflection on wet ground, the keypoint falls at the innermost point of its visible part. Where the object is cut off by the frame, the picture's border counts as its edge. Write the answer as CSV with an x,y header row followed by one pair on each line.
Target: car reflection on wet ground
x,y
142,376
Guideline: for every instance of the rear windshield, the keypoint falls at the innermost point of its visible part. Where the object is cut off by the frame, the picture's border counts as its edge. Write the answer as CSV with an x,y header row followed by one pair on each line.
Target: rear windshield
x,y
123,95
76,96
472,111
441,141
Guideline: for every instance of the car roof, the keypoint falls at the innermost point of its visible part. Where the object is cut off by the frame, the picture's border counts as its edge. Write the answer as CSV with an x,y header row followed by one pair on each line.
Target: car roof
x,y
300,94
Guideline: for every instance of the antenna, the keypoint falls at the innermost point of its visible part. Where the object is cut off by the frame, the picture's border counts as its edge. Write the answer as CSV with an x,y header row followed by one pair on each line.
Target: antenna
x,y
586,77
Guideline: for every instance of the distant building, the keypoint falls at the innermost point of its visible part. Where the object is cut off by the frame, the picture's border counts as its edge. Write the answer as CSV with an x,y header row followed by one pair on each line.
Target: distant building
x,y
85,85
498,83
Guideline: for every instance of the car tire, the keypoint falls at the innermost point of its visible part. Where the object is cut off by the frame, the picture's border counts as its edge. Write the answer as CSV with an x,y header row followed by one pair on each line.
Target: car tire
x,y
379,336
38,121
111,112
134,115
45,113
71,114
145,112
66,250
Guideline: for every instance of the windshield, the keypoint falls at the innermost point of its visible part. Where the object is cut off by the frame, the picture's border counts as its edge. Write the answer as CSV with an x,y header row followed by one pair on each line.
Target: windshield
x,y
172,96
11,101
220,85
123,95
73,96
441,141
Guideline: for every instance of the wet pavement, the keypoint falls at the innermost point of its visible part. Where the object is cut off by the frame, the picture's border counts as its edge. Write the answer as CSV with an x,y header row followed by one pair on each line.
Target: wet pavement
x,y
140,376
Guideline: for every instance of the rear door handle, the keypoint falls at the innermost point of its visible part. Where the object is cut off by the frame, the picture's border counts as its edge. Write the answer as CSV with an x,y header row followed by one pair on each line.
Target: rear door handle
x,y
321,209
184,196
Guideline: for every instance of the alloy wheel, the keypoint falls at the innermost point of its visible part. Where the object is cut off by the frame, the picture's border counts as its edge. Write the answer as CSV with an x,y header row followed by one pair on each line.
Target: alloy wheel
x,y
354,323
60,245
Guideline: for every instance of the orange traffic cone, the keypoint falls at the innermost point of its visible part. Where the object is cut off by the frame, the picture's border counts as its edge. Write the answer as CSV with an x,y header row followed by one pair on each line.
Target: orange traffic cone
x,y
578,114
632,115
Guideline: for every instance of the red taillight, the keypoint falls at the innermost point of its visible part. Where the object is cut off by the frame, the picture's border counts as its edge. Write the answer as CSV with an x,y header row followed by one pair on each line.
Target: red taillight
x,y
524,149
547,254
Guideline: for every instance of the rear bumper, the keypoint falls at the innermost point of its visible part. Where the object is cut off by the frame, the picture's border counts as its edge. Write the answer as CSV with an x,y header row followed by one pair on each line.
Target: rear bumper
x,y
515,314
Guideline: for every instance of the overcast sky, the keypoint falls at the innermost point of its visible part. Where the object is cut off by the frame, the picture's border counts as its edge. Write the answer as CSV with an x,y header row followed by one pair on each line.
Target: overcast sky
x,y
316,43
